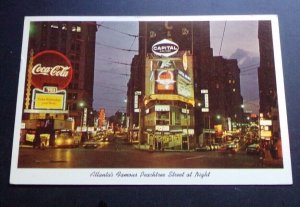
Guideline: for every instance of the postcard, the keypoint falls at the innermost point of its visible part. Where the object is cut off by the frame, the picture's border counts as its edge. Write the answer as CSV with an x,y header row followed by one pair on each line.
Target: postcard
x,y
160,100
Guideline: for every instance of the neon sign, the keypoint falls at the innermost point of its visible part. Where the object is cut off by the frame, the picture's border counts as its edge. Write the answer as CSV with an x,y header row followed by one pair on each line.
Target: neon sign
x,y
165,48
51,68
165,80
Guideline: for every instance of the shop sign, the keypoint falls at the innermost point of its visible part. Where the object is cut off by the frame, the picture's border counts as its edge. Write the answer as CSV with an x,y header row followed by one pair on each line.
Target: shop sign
x,y
165,48
49,101
265,133
51,68
162,128
184,75
185,111
136,100
162,107
165,80
265,122
184,87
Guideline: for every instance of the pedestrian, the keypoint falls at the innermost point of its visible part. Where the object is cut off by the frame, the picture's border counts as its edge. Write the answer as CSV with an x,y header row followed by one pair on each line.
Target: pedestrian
x,y
37,138
261,157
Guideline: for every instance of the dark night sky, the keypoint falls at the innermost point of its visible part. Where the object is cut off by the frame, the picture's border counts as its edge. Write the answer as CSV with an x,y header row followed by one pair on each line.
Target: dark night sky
x,y
111,74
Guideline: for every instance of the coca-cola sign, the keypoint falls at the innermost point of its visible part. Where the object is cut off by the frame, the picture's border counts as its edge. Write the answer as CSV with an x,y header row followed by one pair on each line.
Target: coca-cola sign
x,y
51,68
165,48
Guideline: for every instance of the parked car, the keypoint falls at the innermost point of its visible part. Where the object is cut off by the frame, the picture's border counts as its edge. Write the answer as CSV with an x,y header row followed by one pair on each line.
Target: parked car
x,y
67,139
216,146
232,147
253,149
203,149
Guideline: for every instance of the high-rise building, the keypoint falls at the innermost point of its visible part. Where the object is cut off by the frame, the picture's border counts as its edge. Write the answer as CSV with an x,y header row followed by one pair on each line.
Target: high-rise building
x,y
266,70
75,40
177,87
267,79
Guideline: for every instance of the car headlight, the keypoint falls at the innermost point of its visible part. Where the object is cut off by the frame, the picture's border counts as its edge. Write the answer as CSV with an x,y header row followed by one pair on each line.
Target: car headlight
x,y
59,141
69,141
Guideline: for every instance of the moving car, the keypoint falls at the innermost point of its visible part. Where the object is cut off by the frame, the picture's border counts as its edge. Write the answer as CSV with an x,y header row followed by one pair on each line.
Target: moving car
x,y
67,139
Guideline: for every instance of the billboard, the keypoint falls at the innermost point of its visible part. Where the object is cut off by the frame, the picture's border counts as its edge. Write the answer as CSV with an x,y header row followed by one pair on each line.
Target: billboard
x,y
49,73
170,75
49,101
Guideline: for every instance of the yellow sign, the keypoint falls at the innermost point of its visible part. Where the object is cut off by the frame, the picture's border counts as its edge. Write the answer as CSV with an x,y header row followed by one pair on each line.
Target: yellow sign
x,y
265,133
168,97
49,101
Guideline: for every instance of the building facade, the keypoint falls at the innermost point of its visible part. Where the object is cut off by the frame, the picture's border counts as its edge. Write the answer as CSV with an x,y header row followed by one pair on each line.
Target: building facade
x,y
178,91
76,41
267,83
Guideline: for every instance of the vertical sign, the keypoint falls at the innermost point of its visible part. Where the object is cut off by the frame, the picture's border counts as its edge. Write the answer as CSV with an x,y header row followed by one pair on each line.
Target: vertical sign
x,y
84,117
206,100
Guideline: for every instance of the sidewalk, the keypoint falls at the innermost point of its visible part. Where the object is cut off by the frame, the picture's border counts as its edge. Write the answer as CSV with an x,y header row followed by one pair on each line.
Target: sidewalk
x,y
145,147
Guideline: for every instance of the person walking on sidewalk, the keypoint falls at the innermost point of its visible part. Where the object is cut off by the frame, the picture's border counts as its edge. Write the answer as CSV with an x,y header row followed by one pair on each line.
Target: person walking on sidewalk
x,y
262,155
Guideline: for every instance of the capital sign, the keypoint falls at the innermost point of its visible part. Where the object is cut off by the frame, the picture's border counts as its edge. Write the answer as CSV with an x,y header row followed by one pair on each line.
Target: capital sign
x,y
165,48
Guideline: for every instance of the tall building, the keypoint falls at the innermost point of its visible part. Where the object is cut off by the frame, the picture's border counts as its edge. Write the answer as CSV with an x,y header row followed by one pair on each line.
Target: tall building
x,y
226,99
177,87
267,79
75,40
266,70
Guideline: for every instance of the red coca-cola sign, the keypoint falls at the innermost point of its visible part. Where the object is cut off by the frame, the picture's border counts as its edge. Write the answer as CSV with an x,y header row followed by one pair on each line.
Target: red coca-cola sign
x,y
51,68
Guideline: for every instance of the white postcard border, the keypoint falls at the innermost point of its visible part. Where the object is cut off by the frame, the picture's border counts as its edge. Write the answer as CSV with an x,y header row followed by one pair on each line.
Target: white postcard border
x,y
76,176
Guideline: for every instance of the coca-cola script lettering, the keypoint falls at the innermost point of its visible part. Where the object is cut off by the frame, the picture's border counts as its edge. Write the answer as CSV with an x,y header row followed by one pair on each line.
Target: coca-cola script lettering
x,y
51,68
58,70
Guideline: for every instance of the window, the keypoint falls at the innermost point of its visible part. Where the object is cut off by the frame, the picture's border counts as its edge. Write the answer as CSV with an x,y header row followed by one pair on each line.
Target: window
x,y
76,29
54,26
64,27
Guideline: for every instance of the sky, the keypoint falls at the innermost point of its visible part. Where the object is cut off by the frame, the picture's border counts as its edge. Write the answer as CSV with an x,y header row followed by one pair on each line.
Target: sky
x,y
116,45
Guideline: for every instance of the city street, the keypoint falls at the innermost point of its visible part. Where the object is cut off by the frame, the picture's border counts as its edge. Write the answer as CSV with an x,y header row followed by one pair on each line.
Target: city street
x,y
124,155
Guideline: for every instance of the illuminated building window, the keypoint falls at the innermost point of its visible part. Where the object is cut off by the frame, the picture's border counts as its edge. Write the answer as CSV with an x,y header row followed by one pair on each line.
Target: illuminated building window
x,y
74,97
233,81
76,29
217,85
233,89
54,26
64,27
229,81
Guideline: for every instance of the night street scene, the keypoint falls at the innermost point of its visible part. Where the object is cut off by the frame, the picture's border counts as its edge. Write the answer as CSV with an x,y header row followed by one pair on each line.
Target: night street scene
x,y
150,94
